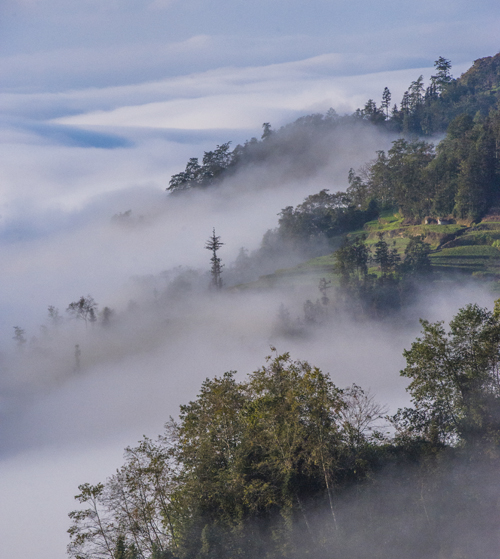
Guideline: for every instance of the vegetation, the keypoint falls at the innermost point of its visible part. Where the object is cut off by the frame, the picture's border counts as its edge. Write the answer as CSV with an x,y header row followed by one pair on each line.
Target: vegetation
x,y
286,464
213,245
461,179
465,107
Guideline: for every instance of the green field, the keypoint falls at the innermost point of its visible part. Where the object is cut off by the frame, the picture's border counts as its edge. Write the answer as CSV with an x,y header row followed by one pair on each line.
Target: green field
x,y
456,250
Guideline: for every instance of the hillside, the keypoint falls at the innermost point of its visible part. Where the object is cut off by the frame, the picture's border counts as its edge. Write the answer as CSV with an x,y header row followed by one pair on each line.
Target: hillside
x,y
423,111
458,251
446,195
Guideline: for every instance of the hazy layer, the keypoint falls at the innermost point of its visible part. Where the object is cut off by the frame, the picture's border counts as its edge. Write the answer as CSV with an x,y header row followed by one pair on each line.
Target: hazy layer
x,y
63,424
64,177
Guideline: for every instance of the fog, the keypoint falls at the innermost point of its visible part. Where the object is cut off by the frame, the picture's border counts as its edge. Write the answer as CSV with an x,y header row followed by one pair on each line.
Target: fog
x,y
65,418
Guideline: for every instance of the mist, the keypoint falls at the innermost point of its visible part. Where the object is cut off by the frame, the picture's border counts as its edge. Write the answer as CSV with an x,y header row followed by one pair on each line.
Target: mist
x,y
80,221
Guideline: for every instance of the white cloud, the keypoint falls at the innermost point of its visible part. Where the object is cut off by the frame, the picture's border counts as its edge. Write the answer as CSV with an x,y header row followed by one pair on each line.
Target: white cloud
x,y
156,72
235,98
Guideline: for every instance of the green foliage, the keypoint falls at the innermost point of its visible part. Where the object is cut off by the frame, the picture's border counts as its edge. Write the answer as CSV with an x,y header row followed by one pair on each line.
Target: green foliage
x,y
255,449
213,245
455,386
285,464
462,178
395,281
417,262
236,473
388,259
322,215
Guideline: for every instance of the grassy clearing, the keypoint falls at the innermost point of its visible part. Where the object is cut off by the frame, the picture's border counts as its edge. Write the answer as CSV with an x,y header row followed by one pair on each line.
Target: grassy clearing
x,y
387,221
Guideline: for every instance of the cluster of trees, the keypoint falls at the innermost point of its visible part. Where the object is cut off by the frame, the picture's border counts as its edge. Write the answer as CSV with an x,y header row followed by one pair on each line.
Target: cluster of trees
x,y
323,215
425,111
397,277
286,464
213,168
84,310
310,229
289,142
422,111
461,177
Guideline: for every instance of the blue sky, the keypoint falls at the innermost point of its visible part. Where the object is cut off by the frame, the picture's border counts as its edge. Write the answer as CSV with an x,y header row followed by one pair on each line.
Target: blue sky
x,y
54,45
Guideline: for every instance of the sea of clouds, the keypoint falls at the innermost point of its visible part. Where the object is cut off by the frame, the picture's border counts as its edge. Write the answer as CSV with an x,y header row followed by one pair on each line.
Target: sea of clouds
x,y
101,103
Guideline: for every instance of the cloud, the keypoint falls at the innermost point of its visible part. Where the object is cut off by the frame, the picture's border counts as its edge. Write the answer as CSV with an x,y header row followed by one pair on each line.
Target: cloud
x,y
241,98
159,82
107,45
60,427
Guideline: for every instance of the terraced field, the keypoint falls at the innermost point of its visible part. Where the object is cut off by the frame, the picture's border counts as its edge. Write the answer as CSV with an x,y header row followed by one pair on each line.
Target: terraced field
x,y
472,259
457,250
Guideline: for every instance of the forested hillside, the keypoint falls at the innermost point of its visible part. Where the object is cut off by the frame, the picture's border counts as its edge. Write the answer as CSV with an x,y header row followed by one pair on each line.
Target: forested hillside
x,y
283,463
469,102
451,186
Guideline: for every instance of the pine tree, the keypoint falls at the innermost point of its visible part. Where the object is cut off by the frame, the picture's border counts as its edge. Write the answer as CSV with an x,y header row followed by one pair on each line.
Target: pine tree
x,y
386,101
213,244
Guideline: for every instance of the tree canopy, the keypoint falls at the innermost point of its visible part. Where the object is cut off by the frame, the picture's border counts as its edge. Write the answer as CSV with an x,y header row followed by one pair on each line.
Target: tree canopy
x,y
286,464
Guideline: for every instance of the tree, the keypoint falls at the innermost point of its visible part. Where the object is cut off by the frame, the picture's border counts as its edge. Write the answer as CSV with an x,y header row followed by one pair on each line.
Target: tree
x,y
406,171
417,260
416,93
386,101
213,244
106,316
388,259
267,132
92,535
360,414
213,166
455,380
215,163
323,286
131,515
443,76
19,337
54,316
84,309
351,260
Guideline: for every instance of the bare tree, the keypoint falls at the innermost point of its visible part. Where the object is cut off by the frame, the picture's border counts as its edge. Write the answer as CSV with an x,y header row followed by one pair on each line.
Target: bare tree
x,y
361,413
83,309
133,510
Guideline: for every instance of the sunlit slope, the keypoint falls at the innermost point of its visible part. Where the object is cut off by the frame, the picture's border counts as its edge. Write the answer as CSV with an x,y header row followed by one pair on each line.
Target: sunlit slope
x,y
457,249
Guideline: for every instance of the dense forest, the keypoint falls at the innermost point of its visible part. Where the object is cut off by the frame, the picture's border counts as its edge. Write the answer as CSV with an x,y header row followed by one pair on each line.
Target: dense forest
x,y
285,463
460,177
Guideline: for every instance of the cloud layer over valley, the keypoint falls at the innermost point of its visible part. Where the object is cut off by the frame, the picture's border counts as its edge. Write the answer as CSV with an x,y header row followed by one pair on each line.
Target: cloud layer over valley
x,y
101,104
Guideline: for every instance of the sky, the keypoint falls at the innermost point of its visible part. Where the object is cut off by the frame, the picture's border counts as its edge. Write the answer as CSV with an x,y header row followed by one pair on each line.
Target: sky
x,y
100,103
